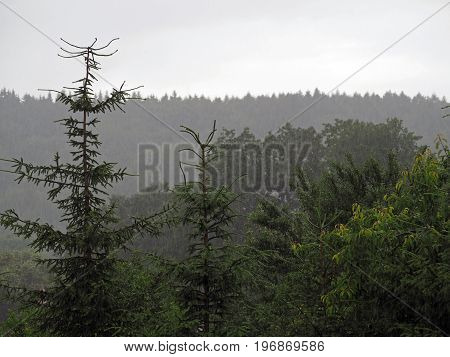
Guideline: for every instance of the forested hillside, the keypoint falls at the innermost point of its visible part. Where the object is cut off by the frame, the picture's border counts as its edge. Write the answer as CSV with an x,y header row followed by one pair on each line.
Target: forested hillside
x,y
27,126
336,224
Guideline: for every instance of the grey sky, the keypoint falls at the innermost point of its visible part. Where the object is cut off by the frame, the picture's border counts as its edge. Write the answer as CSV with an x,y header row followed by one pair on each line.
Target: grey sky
x,y
233,47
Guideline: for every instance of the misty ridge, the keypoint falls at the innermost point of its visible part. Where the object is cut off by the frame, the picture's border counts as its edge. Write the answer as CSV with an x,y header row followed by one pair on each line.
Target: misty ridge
x,y
277,170
206,256
27,127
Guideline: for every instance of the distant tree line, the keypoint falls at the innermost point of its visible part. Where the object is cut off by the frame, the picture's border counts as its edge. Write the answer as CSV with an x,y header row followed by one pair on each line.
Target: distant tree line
x,y
355,245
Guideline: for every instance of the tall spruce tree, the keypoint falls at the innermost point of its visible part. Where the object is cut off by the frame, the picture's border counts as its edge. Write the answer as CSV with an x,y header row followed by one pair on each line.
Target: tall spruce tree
x,y
210,277
81,300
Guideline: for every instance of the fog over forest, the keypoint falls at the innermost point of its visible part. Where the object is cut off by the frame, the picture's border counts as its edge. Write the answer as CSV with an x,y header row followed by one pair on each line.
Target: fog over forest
x,y
267,169
27,128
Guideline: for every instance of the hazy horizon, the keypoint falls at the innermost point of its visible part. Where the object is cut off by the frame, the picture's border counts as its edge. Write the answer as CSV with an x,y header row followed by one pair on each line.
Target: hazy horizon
x,y
254,95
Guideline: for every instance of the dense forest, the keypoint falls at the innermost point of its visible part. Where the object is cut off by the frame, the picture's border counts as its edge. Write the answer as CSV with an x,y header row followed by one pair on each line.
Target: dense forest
x,y
27,129
352,239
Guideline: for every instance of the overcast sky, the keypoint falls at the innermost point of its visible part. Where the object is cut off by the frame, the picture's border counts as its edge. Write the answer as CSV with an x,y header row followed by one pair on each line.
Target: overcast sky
x,y
232,47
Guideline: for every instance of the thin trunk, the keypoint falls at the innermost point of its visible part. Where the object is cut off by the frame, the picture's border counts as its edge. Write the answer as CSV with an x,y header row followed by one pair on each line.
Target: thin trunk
x,y
85,160
205,242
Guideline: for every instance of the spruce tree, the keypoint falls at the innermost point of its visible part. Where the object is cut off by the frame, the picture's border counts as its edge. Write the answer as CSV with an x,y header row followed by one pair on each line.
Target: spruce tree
x,y
81,300
209,276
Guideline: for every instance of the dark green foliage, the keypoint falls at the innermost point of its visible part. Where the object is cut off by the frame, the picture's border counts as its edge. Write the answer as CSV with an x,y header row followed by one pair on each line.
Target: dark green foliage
x,y
18,268
328,200
394,260
303,269
20,323
167,244
145,287
208,276
353,246
79,301
313,152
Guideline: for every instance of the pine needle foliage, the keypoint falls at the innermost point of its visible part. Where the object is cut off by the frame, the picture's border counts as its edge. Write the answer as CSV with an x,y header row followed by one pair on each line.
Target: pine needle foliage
x,y
209,276
81,300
